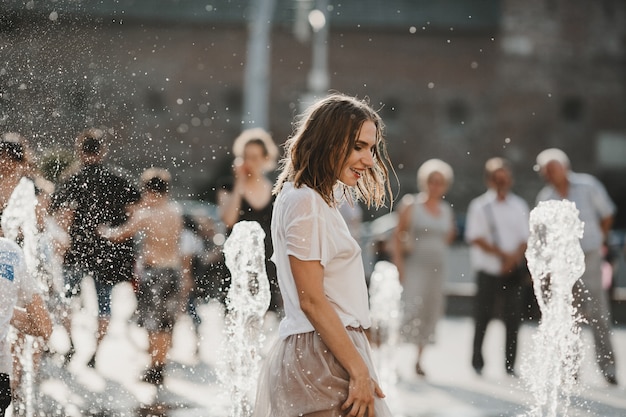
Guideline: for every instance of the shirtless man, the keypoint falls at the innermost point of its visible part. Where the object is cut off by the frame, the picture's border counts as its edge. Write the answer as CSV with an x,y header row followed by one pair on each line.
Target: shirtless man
x,y
160,223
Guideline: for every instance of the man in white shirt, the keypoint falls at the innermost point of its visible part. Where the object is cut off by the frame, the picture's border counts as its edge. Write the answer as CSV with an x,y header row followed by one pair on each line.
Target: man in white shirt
x,y
596,211
20,306
497,230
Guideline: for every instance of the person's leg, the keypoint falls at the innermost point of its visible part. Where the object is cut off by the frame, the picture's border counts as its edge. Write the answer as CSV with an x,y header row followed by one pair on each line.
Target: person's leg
x,y
164,306
512,294
483,311
73,278
418,365
103,290
593,300
5,393
192,310
158,346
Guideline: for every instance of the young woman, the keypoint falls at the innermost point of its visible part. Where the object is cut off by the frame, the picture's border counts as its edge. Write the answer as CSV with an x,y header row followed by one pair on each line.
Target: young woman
x,y
321,365
249,197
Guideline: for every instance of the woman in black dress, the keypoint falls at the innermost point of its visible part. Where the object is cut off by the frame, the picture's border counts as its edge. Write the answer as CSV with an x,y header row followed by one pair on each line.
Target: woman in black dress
x,y
250,196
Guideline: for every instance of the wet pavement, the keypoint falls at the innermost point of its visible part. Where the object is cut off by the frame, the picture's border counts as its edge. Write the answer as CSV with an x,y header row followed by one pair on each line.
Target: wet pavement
x,y
191,388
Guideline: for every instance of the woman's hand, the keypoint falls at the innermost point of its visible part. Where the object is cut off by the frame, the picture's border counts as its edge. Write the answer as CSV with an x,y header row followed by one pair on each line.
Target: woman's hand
x,y
361,394
229,202
240,170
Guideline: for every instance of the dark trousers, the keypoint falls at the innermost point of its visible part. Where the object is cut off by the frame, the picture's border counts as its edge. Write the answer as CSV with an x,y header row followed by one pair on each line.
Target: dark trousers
x,y
5,393
495,291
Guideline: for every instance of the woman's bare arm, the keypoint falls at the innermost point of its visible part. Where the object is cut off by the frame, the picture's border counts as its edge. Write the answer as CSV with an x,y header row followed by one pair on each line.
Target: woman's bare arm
x,y
309,279
401,235
229,206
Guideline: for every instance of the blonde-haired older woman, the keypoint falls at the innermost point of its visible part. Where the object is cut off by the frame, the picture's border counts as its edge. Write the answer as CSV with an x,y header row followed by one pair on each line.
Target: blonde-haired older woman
x,y
424,231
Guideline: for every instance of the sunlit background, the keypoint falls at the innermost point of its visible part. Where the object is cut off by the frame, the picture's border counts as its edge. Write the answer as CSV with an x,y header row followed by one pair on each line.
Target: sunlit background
x,y
175,81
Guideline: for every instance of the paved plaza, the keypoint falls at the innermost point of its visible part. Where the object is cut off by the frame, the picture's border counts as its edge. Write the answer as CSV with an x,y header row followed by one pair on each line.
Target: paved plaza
x,y
451,389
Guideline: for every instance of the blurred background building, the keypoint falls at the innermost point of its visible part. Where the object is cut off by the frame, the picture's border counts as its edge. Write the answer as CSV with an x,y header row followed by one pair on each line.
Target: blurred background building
x,y
461,80
458,80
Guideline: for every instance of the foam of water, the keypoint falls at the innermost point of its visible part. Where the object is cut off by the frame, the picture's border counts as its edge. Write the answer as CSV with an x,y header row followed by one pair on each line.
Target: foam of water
x,y
19,221
556,262
386,312
247,302
19,217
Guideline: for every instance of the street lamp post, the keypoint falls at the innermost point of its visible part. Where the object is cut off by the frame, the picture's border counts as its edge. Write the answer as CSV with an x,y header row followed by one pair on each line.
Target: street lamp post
x,y
318,76
257,71
318,79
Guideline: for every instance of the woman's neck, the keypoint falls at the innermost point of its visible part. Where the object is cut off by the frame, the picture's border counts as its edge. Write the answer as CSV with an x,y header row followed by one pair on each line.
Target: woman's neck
x,y
432,204
431,200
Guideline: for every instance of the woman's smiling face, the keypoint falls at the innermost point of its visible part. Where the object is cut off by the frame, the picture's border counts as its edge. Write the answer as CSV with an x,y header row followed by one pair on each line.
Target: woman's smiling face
x,y
361,157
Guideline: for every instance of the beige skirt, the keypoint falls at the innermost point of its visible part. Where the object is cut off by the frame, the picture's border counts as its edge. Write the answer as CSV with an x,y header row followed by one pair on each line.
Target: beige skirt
x,y
301,377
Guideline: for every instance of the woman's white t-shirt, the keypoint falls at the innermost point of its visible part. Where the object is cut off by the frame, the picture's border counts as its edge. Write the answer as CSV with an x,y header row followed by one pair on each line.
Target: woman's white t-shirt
x,y
306,227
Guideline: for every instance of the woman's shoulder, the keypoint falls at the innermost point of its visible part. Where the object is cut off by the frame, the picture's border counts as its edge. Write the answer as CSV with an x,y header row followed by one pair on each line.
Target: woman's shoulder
x,y
300,198
293,193
407,202
519,201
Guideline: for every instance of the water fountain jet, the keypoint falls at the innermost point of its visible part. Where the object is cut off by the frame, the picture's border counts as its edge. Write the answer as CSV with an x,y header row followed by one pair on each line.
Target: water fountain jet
x,y
19,222
247,302
386,311
556,261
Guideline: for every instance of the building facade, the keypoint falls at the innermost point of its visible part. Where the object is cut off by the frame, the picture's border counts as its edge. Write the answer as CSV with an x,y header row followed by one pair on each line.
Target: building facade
x,y
458,80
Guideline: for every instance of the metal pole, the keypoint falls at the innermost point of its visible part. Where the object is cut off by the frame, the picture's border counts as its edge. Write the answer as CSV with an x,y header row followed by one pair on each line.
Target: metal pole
x,y
318,77
257,71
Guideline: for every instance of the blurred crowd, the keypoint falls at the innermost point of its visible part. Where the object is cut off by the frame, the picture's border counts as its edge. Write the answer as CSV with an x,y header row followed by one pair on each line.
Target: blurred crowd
x,y
497,230
94,221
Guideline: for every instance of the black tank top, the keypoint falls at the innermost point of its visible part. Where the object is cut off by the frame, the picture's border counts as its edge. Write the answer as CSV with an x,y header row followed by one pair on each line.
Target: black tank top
x,y
263,216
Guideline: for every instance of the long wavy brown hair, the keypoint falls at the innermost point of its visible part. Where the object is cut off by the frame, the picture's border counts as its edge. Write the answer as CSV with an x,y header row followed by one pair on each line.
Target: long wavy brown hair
x,y
324,136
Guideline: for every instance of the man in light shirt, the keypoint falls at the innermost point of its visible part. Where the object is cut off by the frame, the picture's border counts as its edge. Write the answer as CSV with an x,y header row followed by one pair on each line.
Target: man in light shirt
x,y
596,212
497,230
